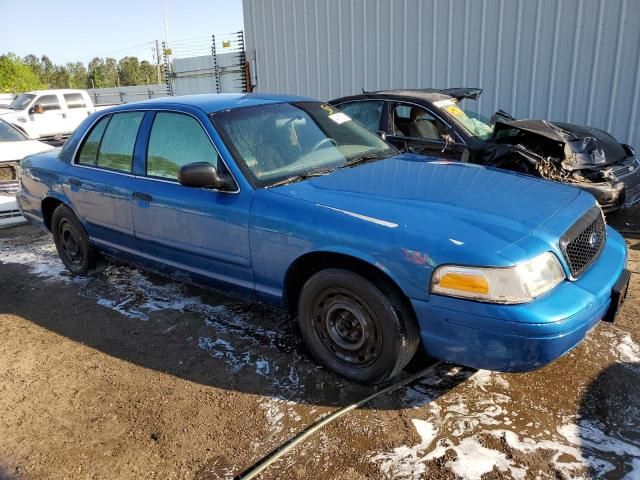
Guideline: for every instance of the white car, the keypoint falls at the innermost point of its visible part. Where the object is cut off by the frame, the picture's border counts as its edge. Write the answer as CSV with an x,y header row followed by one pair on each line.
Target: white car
x,y
14,146
48,113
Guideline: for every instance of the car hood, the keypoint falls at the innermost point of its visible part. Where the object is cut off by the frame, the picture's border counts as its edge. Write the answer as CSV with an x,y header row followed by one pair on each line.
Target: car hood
x,y
13,151
464,203
584,147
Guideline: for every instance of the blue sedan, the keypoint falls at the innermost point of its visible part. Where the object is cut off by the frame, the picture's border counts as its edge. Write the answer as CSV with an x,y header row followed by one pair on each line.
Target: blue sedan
x,y
288,201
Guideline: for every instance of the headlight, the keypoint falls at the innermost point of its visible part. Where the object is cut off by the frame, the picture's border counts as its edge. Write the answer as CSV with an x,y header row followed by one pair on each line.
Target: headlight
x,y
518,284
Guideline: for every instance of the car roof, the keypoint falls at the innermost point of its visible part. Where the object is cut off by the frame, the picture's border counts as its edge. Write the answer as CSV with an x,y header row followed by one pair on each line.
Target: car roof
x,y
215,102
56,90
427,94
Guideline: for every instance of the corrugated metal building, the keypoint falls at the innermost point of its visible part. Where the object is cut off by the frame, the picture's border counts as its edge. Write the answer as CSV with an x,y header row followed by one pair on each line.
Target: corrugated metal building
x,y
569,60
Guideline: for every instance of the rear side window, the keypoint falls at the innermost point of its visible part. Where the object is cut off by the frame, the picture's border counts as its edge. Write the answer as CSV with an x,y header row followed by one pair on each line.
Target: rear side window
x,y
177,140
74,100
48,102
118,141
368,113
89,151
111,142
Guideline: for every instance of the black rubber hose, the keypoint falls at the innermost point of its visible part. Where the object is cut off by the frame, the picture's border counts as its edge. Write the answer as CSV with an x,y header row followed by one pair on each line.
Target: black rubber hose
x,y
260,466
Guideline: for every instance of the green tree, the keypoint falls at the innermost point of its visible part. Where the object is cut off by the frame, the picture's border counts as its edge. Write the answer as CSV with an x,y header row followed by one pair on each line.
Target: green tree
x,y
111,72
16,76
77,75
148,73
59,77
47,70
96,73
129,71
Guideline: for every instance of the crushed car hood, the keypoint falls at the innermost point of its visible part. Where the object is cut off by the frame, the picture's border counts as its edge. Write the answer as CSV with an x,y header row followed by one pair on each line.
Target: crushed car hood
x,y
474,205
582,147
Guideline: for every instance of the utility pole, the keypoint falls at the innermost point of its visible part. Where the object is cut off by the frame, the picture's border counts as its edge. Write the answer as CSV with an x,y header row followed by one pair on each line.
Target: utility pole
x,y
158,59
164,17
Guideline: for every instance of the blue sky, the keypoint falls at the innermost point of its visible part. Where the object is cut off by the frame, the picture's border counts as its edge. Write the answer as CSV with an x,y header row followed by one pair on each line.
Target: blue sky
x,y
78,31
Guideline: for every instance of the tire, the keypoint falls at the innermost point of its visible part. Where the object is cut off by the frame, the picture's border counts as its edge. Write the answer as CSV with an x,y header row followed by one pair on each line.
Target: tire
x,y
354,329
72,243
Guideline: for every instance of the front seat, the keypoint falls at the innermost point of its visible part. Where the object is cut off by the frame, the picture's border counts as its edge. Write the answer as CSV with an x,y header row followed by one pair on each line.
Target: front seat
x,y
421,127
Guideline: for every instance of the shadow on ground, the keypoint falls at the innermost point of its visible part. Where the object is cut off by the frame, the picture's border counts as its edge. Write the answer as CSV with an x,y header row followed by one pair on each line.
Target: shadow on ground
x,y
182,330
609,421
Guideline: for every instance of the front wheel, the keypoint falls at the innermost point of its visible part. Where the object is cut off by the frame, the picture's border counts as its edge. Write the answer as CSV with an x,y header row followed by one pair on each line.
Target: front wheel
x,y
357,331
72,243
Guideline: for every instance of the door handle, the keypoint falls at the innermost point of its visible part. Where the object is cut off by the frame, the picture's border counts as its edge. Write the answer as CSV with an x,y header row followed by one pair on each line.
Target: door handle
x,y
74,182
142,196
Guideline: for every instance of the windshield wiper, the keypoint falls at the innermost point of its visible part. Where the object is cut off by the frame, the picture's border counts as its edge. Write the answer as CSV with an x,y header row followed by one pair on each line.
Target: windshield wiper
x,y
300,176
366,157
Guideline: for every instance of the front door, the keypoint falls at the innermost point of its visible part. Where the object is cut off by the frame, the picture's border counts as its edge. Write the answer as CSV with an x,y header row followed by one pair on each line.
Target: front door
x,y
414,129
52,121
203,232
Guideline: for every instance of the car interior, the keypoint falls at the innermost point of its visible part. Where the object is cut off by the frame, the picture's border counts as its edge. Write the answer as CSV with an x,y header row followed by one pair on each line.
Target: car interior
x,y
415,122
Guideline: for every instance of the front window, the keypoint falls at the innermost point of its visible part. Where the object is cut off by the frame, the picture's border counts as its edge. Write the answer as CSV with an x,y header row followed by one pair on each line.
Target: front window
x,y
415,122
473,123
9,133
284,142
21,101
177,140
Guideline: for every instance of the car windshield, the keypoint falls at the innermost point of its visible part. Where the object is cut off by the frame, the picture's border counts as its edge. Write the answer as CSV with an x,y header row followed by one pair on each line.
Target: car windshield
x,y
285,142
472,122
8,133
21,101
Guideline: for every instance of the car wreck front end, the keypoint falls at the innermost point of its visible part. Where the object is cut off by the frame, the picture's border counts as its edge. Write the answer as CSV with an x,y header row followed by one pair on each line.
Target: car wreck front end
x,y
584,157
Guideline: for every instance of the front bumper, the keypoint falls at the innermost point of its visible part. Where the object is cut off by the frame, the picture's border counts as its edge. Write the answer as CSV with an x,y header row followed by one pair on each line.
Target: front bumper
x,y
622,192
517,338
10,214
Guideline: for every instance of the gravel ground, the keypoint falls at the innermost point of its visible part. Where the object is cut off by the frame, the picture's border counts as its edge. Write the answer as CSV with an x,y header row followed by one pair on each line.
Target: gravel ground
x,y
128,375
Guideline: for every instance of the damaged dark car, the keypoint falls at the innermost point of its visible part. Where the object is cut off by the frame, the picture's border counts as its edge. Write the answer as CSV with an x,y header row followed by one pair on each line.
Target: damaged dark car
x,y
431,122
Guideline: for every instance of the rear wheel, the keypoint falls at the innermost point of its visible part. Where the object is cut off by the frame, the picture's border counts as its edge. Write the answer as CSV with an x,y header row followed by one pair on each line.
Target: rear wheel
x,y
72,243
355,329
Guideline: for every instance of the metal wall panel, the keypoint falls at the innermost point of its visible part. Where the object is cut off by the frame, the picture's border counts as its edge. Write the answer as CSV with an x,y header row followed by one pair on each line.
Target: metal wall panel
x,y
566,60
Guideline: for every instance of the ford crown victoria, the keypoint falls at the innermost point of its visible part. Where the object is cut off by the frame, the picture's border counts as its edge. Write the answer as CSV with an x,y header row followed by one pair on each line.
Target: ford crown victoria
x,y
288,201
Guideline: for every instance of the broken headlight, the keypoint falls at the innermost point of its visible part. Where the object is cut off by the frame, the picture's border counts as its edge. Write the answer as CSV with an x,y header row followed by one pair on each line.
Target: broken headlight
x,y
518,284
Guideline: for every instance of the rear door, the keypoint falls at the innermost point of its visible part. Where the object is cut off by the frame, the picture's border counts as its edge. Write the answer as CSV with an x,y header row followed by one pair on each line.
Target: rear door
x,y
101,181
367,112
198,230
76,110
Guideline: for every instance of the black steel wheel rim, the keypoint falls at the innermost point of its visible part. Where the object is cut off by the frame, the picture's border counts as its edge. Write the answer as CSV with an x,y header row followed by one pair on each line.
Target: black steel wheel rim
x,y
70,243
346,327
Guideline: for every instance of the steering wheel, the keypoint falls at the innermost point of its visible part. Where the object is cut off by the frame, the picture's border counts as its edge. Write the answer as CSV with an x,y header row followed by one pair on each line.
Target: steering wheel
x,y
325,140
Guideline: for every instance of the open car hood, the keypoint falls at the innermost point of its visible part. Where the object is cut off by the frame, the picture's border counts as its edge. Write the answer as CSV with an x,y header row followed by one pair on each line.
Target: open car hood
x,y
581,147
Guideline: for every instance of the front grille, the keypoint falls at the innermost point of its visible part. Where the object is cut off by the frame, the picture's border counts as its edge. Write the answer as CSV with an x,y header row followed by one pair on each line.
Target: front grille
x,y
583,242
10,214
7,173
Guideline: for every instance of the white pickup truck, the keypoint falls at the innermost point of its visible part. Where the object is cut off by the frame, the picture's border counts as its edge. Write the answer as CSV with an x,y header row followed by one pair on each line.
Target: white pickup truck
x,y
44,114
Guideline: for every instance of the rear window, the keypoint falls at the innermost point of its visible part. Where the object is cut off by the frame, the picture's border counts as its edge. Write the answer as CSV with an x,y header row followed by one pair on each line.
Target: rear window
x,y
89,151
111,142
74,100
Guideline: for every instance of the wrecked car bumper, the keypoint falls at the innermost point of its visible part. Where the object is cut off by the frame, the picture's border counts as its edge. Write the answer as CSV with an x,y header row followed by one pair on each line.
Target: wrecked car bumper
x,y
623,192
516,338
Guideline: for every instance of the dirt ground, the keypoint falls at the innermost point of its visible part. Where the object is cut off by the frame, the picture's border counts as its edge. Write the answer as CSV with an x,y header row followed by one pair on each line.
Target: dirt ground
x,y
127,375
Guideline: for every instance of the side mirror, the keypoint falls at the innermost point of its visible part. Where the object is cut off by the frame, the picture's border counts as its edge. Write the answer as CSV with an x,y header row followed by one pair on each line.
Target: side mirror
x,y
37,109
203,175
382,134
